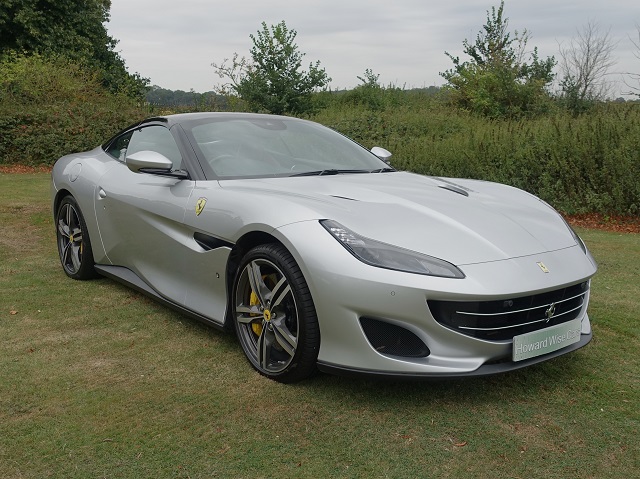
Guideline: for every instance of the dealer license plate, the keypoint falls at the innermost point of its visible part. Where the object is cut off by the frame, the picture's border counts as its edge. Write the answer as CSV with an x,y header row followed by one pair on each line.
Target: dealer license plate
x,y
546,340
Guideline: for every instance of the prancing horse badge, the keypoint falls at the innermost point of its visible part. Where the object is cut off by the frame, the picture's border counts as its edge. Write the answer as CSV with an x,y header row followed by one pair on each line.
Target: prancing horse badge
x,y
543,267
200,205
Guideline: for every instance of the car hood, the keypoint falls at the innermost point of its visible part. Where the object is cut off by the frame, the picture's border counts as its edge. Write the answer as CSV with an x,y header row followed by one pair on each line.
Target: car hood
x,y
461,221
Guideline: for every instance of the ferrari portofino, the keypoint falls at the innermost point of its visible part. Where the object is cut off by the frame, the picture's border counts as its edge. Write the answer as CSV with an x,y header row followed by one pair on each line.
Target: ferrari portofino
x,y
318,253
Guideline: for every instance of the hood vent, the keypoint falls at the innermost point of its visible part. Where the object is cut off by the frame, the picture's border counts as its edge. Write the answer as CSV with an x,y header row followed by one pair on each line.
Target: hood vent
x,y
454,188
343,198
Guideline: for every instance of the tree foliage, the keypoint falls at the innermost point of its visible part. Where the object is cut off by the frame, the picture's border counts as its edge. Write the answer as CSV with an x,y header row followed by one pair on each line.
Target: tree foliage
x,y
497,81
71,28
372,95
185,100
273,80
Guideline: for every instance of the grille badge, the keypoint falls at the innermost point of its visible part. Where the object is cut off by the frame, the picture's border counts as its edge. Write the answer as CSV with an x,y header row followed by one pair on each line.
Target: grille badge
x,y
551,310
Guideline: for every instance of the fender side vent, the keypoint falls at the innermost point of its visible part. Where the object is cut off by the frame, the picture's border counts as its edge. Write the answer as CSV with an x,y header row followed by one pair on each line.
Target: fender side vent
x,y
209,243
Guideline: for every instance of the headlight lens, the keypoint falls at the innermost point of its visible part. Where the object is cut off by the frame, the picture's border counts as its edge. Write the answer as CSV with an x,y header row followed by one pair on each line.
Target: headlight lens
x,y
575,235
583,246
383,255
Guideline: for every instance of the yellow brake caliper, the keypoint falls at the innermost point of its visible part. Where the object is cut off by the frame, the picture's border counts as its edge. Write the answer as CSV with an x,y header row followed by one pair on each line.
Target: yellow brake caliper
x,y
256,326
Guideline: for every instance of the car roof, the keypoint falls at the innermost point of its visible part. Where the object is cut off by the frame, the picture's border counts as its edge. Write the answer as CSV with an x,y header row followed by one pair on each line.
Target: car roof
x,y
178,118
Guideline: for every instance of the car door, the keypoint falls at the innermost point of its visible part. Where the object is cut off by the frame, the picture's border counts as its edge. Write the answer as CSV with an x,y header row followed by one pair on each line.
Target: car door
x,y
140,215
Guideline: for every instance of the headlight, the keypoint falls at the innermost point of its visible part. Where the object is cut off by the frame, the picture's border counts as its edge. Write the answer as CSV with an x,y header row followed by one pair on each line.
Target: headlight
x,y
382,255
578,240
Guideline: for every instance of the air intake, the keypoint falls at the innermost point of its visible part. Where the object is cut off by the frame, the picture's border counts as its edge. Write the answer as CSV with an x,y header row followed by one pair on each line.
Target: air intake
x,y
392,340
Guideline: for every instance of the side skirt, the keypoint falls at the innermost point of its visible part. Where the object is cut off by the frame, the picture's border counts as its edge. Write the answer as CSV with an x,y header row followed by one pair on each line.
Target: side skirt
x,y
133,281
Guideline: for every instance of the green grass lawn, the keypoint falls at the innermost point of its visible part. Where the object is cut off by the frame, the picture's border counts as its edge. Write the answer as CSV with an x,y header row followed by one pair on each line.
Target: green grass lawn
x,y
97,381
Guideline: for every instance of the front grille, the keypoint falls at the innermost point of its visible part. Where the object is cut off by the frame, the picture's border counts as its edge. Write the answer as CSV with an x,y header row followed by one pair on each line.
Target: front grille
x,y
393,340
503,319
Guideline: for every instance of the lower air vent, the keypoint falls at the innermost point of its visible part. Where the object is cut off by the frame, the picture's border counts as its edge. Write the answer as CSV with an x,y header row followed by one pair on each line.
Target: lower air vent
x,y
392,340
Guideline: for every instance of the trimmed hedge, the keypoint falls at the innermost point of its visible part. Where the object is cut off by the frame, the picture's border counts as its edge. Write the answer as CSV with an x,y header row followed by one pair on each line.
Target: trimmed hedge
x,y
50,107
584,164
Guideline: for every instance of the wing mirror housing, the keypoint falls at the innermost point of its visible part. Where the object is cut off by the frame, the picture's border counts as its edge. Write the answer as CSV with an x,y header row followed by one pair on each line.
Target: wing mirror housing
x,y
384,155
147,161
142,160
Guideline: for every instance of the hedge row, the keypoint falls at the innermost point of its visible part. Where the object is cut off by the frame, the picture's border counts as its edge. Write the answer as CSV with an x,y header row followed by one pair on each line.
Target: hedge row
x,y
50,107
584,164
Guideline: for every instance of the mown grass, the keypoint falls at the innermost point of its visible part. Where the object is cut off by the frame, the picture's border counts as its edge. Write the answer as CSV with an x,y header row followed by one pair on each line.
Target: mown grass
x,y
98,381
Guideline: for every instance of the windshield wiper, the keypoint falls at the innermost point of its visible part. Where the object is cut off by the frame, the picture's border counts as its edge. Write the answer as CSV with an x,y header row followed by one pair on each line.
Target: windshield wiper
x,y
383,170
331,171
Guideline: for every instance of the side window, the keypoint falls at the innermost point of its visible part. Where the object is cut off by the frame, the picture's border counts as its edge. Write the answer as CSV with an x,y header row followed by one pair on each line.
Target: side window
x,y
155,138
118,148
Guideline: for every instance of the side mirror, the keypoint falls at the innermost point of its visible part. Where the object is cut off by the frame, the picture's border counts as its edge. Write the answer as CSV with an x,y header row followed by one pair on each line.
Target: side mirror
x,y
146,159
383,154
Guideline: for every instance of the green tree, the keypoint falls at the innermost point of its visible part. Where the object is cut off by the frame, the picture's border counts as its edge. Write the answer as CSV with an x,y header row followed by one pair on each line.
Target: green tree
x,y
496,81
273,80
71,28
368,93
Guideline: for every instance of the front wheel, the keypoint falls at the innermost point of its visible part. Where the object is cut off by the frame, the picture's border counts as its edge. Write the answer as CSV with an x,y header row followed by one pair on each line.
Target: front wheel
x,y
74,246
274,315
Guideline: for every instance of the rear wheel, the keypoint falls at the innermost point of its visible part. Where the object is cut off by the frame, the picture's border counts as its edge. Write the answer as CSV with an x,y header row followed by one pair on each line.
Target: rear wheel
x,y
74,246
274,315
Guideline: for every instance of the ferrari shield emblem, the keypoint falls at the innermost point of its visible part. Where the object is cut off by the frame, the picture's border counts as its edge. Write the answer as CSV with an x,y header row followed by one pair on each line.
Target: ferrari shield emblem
x,y
543,267
200,205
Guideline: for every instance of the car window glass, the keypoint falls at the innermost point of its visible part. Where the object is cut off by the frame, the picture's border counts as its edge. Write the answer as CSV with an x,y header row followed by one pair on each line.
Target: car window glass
x,y
156,138
276,147
118,147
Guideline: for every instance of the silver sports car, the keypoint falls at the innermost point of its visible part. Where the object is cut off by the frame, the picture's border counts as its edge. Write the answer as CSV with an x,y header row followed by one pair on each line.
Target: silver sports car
x,y
319,254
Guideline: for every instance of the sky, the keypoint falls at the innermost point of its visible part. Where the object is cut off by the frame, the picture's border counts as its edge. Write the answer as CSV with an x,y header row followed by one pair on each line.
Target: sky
x,y
174,43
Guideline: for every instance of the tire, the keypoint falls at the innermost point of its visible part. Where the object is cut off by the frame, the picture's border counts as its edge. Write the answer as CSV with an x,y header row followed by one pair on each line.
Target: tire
x,y
274,316
74,246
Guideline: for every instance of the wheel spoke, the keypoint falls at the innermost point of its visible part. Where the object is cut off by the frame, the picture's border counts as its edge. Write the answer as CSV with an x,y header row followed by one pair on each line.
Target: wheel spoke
x,y
244,310
72,219
74,251
67,216
284,337
247,314
263,347
63,228
257,283
66,252
279,292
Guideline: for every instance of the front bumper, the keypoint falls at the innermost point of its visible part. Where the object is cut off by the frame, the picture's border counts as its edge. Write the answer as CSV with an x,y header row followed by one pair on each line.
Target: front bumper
x,y
484,370
345,290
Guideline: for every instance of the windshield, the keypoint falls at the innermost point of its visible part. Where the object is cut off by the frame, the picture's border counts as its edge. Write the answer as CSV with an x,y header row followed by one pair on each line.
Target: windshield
x,y
255,146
